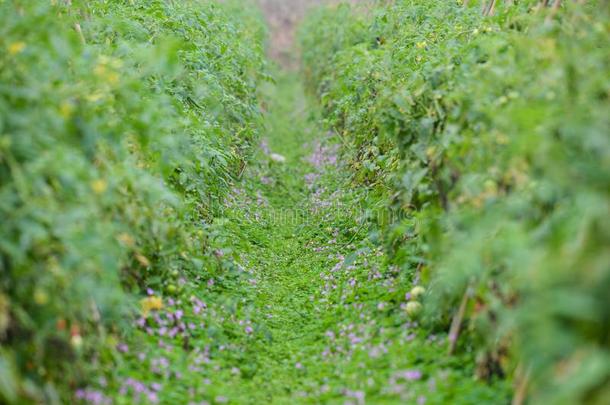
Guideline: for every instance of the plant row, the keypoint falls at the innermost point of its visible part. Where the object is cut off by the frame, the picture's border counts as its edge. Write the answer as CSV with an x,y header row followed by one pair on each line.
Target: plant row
x,y
486,136
121,125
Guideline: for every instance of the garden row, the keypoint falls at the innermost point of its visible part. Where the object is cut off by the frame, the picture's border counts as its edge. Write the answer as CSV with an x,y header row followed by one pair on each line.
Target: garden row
x,y
486,134
121,124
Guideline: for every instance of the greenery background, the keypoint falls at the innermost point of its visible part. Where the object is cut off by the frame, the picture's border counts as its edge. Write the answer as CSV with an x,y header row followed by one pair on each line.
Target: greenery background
x,y
144,144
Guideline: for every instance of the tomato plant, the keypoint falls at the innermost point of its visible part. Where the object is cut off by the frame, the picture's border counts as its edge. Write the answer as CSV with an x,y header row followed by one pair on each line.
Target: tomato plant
x,y
488,135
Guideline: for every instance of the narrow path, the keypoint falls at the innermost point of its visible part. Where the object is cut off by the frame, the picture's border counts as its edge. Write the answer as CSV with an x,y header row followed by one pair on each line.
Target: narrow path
x,y
301,306
285,220
283,17
325,311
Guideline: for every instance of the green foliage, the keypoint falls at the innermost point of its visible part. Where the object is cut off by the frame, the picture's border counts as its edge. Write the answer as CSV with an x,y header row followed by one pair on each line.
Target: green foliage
x,y
121,124
309,312
489,138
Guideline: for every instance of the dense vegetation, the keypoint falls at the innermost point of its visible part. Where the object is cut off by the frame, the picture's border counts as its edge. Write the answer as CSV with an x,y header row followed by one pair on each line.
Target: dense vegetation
x,y
426,225
121,124
486,136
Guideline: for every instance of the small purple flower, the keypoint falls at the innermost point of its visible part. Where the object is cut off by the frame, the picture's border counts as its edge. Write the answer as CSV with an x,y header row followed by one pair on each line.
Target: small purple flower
x,y
139,387
264,145
153,398
411,375
92,397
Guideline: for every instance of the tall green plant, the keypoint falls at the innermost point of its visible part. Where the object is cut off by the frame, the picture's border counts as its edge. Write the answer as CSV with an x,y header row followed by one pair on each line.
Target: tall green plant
x,y
488,135
121,124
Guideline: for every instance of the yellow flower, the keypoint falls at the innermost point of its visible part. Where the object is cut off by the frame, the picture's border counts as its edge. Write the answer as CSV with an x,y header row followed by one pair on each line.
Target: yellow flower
x,y
126,239
100,70
16,47
41,297
502,139
421,45
151,303
94,97
99,186
106,70
112,78
65,109
143,260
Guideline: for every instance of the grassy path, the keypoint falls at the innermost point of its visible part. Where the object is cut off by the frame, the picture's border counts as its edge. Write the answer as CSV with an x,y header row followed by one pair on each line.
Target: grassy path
x,y
327,311
278,227
302,307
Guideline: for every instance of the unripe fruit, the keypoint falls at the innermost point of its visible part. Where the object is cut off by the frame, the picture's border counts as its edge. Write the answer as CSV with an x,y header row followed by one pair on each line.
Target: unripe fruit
x,y
417,292
76,341
413,308
276,157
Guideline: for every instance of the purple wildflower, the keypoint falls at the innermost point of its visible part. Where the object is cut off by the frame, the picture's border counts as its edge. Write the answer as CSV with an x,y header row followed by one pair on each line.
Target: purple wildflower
x,y
410,375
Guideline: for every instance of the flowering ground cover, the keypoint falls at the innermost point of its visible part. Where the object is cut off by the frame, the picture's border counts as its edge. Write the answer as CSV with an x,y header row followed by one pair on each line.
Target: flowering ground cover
x,y
305,309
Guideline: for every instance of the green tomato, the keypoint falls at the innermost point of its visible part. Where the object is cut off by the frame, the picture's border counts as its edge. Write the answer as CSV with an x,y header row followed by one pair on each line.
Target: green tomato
x,y
413,309
417,292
